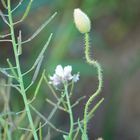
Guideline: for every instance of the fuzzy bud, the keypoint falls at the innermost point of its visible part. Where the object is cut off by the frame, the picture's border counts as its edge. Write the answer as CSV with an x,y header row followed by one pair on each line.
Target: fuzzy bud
x,y
82,21
99,139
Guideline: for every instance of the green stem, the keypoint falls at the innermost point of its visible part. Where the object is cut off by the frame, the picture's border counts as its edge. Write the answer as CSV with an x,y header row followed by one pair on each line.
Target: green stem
x,y
20,78
70,111
100,79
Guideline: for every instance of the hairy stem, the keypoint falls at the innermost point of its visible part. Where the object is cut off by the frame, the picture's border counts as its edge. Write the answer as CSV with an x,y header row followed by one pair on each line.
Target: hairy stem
x,y
20,78
100,79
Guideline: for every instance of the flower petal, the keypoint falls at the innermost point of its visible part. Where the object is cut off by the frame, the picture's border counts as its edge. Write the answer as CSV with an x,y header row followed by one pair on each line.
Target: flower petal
x,y
55,80
67,70
59,71
76,77
67,73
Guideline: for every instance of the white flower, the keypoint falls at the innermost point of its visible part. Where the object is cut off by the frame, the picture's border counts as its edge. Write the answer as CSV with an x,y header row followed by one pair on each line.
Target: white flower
x,y
82,21
63,75
76,77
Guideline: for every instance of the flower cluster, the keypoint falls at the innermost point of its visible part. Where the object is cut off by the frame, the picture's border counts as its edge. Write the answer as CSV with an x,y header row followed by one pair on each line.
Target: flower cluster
x,y
63,75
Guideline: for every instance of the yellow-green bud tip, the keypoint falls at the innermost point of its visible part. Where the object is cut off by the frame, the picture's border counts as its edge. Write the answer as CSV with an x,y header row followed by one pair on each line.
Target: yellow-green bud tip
x,y
82,21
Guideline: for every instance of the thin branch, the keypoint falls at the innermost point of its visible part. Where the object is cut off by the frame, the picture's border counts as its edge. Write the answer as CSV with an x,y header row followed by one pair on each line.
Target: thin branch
x,y
40,29
35,74
39,56
76,134
25,13
76,123
6,40
20,2
46,121
50,87
8,68
55,108
40,131
3,71
2,121
28,71
22,111
3,17
6,73
11,85
78,101
38,62
6,113
24,129
5,35
7,103
4,4
12,70
37,88
72,87
53,104
36,122
95,108
51,125
18,89
90,114
29,86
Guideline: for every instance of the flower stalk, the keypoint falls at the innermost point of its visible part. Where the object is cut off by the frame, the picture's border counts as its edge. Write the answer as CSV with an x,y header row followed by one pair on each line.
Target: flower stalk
x,y
95,63
20,78
70,111
82,22
63,77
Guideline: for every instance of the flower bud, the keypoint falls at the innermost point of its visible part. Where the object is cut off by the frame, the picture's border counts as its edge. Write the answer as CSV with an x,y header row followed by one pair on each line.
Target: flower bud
x,y
99,139
82,21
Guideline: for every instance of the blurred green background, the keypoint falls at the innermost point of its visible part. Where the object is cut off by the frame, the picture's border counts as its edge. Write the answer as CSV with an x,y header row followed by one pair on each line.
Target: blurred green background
x,y
115,43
